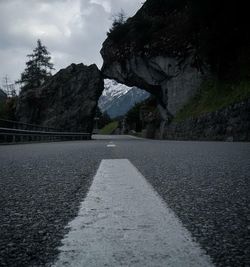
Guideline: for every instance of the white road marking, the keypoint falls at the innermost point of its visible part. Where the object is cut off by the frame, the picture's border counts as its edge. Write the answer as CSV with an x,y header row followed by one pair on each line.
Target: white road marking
x,y
111,145
124,222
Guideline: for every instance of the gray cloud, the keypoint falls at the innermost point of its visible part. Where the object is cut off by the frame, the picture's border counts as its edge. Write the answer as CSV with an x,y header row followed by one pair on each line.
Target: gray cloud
x,y
73,30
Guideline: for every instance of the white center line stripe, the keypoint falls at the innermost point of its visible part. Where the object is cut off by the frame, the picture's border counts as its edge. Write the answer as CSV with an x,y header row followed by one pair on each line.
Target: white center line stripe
x,y
124,222
111,145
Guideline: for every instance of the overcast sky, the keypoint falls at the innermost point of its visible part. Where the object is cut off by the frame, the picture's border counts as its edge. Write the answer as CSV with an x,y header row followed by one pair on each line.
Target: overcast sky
x,y
72,30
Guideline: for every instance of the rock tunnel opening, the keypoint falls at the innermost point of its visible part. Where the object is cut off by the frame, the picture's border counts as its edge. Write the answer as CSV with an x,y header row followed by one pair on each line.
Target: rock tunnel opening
x,y
134,109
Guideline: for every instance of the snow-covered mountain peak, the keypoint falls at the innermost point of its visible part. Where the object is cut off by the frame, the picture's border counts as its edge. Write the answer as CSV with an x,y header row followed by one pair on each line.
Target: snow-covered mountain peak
x,y
114,89
117,98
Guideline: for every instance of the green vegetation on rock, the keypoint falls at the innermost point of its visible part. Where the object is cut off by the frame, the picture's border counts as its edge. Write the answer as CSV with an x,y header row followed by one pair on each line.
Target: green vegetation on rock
x,y
213,96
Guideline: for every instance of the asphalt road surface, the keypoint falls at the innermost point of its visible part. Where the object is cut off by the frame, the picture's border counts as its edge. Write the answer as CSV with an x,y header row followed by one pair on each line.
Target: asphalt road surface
x,y
45,189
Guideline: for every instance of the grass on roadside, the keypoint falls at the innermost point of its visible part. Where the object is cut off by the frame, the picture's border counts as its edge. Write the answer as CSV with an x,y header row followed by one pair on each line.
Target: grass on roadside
x,y
109,128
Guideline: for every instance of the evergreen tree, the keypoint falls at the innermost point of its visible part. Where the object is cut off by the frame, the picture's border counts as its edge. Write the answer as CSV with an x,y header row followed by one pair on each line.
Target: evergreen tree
x,y
38,67
119,20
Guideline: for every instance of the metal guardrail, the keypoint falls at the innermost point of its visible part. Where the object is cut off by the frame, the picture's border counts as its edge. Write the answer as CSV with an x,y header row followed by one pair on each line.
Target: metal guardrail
x,y
8,135
25,126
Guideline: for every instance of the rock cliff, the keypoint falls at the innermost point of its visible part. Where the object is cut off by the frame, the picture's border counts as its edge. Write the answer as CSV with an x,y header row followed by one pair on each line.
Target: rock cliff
x,y
169,47
172,84
66,101
158,59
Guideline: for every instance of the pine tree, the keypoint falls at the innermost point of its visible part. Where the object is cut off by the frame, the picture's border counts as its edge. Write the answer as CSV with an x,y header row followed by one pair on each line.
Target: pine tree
x,y
38,67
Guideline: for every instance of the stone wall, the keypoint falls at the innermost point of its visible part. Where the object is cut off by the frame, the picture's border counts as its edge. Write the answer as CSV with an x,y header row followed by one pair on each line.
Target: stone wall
x,y
229,124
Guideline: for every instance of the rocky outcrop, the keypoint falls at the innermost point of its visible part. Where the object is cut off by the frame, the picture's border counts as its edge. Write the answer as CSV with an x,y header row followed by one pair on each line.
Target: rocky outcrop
x,y
160,59
67,101
169,47
172,83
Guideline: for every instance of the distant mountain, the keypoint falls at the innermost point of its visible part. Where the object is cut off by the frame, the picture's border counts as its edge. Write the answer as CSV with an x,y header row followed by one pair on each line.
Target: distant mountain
x,y
117,98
